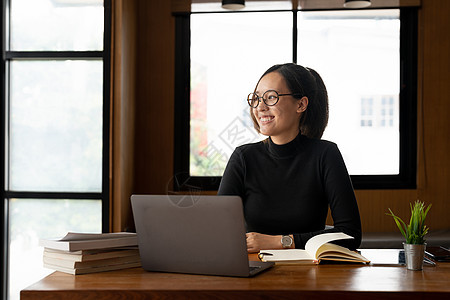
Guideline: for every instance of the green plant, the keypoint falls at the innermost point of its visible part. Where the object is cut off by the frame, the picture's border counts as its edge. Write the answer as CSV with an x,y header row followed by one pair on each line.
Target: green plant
x,y
416,230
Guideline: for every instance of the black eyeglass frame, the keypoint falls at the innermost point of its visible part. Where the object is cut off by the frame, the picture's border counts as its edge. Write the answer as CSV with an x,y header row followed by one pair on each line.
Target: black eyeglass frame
x,y
257,98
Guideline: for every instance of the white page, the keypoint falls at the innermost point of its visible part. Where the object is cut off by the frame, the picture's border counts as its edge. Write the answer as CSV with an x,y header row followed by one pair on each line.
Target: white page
x,y
314,243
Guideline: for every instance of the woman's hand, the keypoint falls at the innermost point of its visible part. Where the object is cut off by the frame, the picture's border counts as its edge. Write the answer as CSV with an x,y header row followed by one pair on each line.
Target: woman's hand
x,y
258,241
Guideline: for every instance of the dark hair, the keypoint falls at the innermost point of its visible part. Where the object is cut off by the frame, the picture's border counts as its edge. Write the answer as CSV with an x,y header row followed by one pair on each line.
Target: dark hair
x,y
304,82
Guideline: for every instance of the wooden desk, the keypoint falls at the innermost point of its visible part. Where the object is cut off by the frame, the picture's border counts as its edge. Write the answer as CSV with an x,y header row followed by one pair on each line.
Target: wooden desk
x,y
280,282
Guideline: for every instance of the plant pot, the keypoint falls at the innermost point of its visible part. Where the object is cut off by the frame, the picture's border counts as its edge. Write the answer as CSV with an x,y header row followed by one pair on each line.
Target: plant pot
x,y
414,254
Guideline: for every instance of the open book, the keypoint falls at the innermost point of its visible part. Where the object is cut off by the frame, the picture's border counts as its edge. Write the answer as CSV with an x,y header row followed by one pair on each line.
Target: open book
x,y
317,248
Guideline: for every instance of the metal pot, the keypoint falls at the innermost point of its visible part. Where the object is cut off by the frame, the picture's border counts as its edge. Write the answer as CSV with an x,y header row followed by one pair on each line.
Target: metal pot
x,y
414,254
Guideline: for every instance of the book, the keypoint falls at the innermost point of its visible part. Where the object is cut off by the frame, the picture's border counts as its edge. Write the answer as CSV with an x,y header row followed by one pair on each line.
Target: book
x,y
88,241
89,255
77,271
438,253
317,249
92,263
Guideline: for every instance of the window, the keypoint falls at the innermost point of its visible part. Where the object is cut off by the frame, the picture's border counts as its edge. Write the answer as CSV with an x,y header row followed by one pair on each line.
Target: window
x,y
55,128
216,126
366,58
387,111
380,113
366,112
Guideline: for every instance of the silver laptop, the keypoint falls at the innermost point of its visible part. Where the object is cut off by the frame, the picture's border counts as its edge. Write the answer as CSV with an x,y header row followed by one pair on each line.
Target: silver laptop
x,y
193,234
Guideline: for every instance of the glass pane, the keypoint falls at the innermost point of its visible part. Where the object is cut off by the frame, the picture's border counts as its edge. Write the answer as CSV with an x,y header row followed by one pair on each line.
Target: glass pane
x,y
229,52
30,220
56,126
357,54
56,25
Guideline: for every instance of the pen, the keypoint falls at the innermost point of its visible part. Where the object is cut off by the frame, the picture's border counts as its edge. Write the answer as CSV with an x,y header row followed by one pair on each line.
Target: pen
x,y
429,261
261,255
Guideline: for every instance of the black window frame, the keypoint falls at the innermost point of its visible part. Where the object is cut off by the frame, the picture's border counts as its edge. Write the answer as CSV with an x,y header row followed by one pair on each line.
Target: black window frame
x,y
6,195
406,179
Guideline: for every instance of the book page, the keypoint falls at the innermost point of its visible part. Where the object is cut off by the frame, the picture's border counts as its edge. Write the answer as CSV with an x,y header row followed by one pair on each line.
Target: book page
x,y
314,243
336,252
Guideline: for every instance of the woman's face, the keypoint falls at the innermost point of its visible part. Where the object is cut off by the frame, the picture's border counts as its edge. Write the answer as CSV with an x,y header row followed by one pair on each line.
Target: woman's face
x,y
280,121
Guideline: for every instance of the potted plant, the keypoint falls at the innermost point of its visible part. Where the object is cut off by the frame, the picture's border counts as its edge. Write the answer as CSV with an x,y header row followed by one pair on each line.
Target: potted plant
x,y
414,234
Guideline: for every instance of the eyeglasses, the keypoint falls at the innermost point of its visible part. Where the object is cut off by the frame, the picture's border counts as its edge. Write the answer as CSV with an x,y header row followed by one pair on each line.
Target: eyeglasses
x,y
270,98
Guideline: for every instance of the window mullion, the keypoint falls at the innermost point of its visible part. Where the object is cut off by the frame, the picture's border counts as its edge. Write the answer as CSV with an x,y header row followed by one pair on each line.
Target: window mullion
x,y
72,55
294,35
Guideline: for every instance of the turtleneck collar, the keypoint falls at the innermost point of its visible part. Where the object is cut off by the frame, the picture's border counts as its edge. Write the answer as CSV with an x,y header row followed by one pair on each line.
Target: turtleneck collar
x,y
286,150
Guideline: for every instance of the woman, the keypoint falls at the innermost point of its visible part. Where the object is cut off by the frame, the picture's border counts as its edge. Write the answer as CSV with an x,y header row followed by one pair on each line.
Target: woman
x,y
288,181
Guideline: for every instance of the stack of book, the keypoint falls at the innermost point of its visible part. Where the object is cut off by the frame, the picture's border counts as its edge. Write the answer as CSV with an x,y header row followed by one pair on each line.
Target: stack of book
x,y
83,253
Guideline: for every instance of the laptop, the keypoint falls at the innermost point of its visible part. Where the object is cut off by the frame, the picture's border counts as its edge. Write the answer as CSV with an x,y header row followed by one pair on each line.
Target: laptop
x,y
193,234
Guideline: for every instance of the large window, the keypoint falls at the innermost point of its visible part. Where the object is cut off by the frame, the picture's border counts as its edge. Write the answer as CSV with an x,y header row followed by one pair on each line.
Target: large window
x,y
55,123
357,54
227,55
366,58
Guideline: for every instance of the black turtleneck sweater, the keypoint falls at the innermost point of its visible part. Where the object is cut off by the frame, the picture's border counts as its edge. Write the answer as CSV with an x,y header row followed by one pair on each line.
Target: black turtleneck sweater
x,y
287,189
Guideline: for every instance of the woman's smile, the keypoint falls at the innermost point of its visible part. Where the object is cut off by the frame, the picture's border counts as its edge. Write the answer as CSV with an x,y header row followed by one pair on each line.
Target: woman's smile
x,y
279,121
266,119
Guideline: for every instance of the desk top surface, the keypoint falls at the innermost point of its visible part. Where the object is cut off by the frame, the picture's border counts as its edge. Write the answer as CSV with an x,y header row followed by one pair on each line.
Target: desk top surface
x,y
281,279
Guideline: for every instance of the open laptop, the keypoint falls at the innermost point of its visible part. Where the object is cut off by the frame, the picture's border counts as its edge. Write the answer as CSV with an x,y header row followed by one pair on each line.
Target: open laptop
x,y
193,234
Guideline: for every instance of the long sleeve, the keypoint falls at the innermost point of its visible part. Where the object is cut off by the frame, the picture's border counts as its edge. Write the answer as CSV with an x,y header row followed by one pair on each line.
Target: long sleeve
x,y
341,199
232,182
287,189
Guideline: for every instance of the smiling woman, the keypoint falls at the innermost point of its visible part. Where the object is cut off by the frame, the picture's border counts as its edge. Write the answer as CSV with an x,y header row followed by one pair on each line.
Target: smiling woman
x,y
288,181
310,120
280,121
